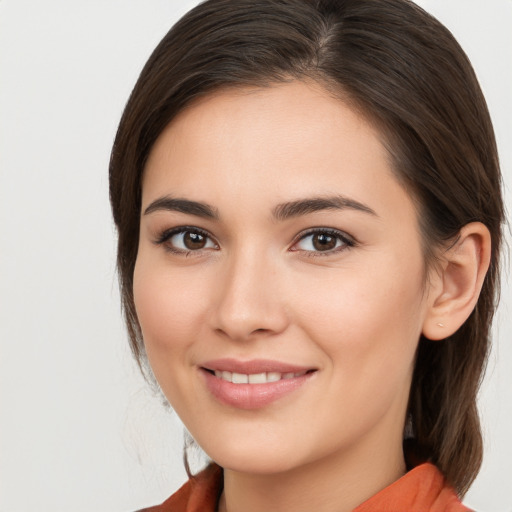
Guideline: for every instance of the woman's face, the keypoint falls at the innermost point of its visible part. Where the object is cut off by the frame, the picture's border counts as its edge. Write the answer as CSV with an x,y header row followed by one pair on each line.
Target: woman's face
x,y
278,251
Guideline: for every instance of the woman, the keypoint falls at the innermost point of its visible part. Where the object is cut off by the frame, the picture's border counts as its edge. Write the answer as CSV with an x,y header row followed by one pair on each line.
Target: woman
x,y
307,195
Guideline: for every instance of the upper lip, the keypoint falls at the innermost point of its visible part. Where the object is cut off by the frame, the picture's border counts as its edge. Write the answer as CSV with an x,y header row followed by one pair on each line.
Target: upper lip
x,y
253,366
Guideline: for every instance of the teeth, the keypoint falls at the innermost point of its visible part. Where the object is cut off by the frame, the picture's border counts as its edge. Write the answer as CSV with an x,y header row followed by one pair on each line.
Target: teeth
x,y
258,378
255,378
240,378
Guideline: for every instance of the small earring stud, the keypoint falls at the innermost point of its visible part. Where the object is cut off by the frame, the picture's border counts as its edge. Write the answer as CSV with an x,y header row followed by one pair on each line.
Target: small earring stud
x,y
440,325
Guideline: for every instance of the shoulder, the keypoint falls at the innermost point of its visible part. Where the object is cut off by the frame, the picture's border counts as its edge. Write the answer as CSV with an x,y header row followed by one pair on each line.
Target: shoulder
x,y
423,489
199,494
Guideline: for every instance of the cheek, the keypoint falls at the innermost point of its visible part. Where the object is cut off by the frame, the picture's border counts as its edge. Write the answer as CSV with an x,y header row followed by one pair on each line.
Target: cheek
x,y
367,315
168,305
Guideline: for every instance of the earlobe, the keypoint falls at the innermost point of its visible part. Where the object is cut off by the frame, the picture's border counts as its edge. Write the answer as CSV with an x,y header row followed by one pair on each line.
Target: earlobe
x,y
456,285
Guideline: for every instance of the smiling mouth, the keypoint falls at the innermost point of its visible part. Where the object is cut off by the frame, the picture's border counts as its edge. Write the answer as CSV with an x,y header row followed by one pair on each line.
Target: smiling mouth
x,y
255,383
257,388
256,378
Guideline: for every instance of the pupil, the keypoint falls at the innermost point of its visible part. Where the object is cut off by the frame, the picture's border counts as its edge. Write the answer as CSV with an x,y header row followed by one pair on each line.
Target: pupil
x,y
194,240
324,242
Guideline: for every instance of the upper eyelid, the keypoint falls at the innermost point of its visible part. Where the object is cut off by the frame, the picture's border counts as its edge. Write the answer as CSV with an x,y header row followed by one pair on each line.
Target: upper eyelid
x,y
168,233
347,240
337,232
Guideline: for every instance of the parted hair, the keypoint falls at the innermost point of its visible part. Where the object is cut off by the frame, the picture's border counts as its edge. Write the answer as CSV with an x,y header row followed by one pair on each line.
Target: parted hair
x,y
404,71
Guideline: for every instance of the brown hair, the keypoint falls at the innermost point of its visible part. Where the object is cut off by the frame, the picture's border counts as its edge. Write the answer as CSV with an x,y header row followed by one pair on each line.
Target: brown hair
x,y
406,72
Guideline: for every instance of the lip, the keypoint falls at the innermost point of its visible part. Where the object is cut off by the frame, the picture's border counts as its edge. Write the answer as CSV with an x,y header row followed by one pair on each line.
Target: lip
x,y
253,396
253,366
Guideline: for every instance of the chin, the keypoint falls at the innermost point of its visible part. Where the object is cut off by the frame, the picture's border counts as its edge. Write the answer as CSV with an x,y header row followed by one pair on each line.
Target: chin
x,y
255,465
255,458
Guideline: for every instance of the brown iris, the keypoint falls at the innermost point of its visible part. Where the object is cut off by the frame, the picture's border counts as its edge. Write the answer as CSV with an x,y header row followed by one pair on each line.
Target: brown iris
x,y
324,242
194,241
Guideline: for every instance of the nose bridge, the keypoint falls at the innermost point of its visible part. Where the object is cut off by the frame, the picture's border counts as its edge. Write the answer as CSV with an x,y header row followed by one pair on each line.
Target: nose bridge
x,y
249,301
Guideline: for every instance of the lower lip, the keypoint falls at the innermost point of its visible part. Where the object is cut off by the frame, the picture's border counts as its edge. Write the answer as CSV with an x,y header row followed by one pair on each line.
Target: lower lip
x,y
252,396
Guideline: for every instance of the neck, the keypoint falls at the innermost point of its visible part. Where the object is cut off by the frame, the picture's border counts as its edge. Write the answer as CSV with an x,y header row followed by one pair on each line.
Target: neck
x,y
339,482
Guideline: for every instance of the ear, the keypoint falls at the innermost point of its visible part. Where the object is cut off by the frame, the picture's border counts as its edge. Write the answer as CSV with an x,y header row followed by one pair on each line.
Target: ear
x,y
455,287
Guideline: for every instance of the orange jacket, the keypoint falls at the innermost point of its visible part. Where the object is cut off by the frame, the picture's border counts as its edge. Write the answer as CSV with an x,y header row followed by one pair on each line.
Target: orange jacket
x,y
423,489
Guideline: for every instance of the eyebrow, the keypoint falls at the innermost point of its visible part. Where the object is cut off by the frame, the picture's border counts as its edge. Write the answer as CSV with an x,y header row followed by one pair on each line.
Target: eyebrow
x,y
315,204
196,208
281,212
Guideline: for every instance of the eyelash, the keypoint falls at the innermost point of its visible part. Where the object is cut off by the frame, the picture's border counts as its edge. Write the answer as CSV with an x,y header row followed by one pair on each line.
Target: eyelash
x,y
166,235
347,241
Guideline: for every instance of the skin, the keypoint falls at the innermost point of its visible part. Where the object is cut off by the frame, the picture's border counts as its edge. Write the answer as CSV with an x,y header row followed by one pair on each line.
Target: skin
x,y
260,289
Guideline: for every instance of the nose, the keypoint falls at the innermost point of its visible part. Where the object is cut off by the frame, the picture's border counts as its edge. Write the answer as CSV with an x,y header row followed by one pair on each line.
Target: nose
x,y
248,302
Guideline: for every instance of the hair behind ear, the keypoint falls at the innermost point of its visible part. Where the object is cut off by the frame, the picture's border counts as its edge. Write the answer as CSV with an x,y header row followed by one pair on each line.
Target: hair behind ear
x,y
443,405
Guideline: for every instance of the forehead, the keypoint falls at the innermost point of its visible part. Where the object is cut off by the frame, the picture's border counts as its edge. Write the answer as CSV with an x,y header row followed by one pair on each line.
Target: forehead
x,y
284,120
277,142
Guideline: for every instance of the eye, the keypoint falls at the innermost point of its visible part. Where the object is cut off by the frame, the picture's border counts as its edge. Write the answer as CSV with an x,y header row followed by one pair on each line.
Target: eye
x,y
186,240
323,240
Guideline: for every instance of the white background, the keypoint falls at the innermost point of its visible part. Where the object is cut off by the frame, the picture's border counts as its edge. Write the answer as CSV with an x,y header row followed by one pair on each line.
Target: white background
x,y
79,431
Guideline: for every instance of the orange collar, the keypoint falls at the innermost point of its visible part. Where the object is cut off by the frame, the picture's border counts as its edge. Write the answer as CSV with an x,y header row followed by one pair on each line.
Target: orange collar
x,y
423,489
